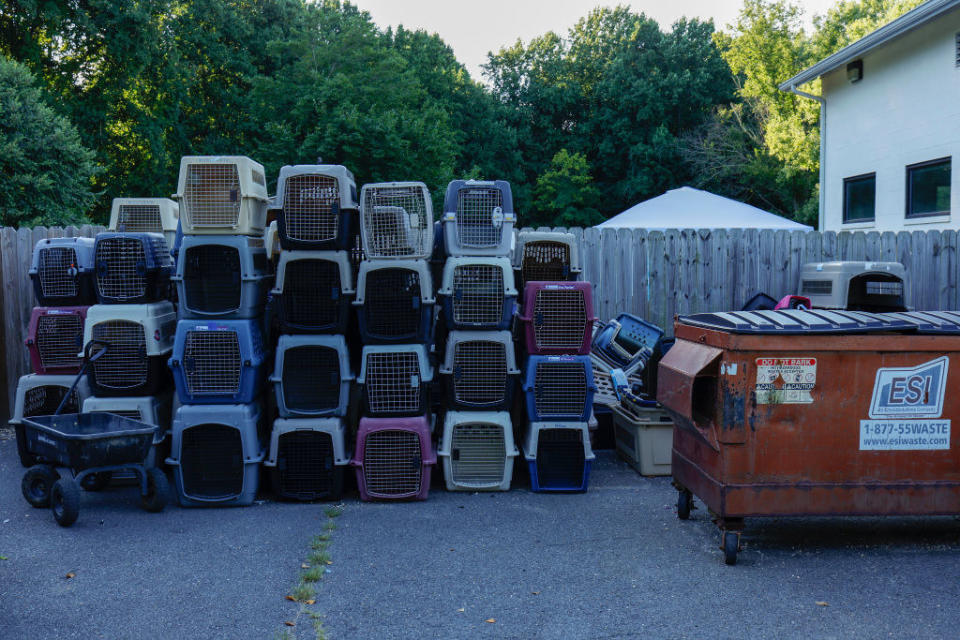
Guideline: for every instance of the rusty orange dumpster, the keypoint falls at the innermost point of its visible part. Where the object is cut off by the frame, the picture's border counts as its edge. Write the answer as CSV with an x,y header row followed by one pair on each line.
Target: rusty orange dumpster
x,y
783,413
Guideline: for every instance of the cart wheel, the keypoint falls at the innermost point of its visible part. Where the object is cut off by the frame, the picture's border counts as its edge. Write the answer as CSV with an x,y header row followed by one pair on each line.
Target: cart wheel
x,y
731,545
684,504
158,490
96,481
36,485
65,501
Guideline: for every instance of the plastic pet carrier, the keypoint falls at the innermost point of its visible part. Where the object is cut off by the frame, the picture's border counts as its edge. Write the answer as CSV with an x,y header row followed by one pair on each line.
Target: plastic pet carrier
x,y
153,410
140,338
480,370
395,301
396,220
40,395
222,276
317,203
478,218
546,256
62,272
855,286
558,455
216,453
395,380
55,339
222,195
558,387
149,215
313,291
558,317
271,242
218,362
477,450
308,457
312,376
132,268
478,293
627,340
393,458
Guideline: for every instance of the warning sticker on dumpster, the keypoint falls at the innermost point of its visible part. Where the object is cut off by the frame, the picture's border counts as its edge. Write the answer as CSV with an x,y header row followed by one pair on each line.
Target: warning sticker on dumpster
x,y
904,435
785,380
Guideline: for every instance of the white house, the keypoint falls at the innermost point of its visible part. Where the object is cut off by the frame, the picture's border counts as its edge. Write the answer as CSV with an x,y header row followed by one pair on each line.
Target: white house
x,y
890,125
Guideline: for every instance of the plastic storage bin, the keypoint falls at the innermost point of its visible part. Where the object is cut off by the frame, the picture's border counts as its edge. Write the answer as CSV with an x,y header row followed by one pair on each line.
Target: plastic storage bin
x,y
627,340
644,438
478,218
155,410
396,220
62,272
312,376
393,458
558,317
222,276
216,453
221,195
313,291
558,387
395,380
478,293
480,370
317,204
558,455
546,256
218,362
150,215
40,395
55,339
395,301
477,450
308,458
132,268
140,338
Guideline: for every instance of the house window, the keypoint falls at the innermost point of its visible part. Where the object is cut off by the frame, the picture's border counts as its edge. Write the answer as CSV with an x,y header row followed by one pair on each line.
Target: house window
x,y
928,188
859,198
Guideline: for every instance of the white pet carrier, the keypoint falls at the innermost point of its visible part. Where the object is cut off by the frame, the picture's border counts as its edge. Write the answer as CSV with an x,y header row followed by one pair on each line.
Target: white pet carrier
x,y
396,220
271,241
478,292
313,291
395,380
395,301
546,256
855,286
308,457
152,215
312,376
480,369
477,450
155,410
222,195
40,395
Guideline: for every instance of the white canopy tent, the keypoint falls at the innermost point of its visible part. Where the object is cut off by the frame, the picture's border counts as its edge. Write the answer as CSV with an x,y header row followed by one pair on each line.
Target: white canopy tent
x,y
689,208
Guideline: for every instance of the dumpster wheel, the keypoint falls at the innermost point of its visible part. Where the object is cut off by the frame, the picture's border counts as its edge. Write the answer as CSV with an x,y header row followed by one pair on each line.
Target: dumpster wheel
x,y
684,504
731,546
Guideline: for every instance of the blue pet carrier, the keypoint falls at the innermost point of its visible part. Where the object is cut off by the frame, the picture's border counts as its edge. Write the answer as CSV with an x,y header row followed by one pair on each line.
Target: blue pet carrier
x,y
558,387
478,218
395,302
627,339
318,204
216,451
222,276
558,456
313,291
62,272
308,458
478,293
132,268
218,362
312,376
480,370
395,380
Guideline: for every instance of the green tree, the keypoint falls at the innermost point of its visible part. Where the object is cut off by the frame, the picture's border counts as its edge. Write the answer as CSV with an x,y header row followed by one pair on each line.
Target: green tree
x,y
565,195
47,172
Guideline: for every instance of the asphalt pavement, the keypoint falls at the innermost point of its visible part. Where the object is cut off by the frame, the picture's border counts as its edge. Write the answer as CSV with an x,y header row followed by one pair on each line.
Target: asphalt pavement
x,y
614,562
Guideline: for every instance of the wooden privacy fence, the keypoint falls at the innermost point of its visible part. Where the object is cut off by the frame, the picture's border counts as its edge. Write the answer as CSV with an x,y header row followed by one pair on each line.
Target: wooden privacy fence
x,y
653,274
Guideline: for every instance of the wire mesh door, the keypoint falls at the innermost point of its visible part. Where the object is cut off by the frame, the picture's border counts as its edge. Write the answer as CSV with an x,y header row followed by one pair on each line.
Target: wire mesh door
x,y
43,400
393,382
545,261
560,319
212,363
59,339
139,217
560,458
124,365
212,195
480,372
392,462
396,222
211,461
479,217
121,268
392,303
312,293
311,211
478,294
560,389
57,269
305,462
478,454
311,379
212,278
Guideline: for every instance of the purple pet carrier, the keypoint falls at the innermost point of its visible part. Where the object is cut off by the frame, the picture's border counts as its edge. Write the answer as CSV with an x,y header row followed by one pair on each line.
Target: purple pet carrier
x,y
55,339
558,317
393,458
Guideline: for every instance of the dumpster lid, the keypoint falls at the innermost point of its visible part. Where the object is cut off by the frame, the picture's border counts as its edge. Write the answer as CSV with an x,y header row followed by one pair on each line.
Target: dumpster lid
x,y
931,322
803,321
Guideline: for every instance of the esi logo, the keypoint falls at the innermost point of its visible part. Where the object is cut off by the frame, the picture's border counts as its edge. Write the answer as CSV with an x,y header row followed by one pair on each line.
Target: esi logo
x,y
910,392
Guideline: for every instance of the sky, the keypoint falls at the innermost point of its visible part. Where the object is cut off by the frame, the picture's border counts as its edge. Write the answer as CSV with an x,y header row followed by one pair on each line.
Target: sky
x,y
472,29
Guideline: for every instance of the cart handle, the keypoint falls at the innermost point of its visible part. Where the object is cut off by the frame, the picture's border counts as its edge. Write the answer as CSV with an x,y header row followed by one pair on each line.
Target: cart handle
x,y
93,357
88,357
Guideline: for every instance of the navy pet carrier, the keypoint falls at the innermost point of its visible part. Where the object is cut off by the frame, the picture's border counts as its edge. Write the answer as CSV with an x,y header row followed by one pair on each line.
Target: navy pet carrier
x,y
312,376
558,387
318,204
218,362
222,276
558,456
395,380
313,291
478,218
62,272
478,293
132,268
395,301
308,458
480,370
